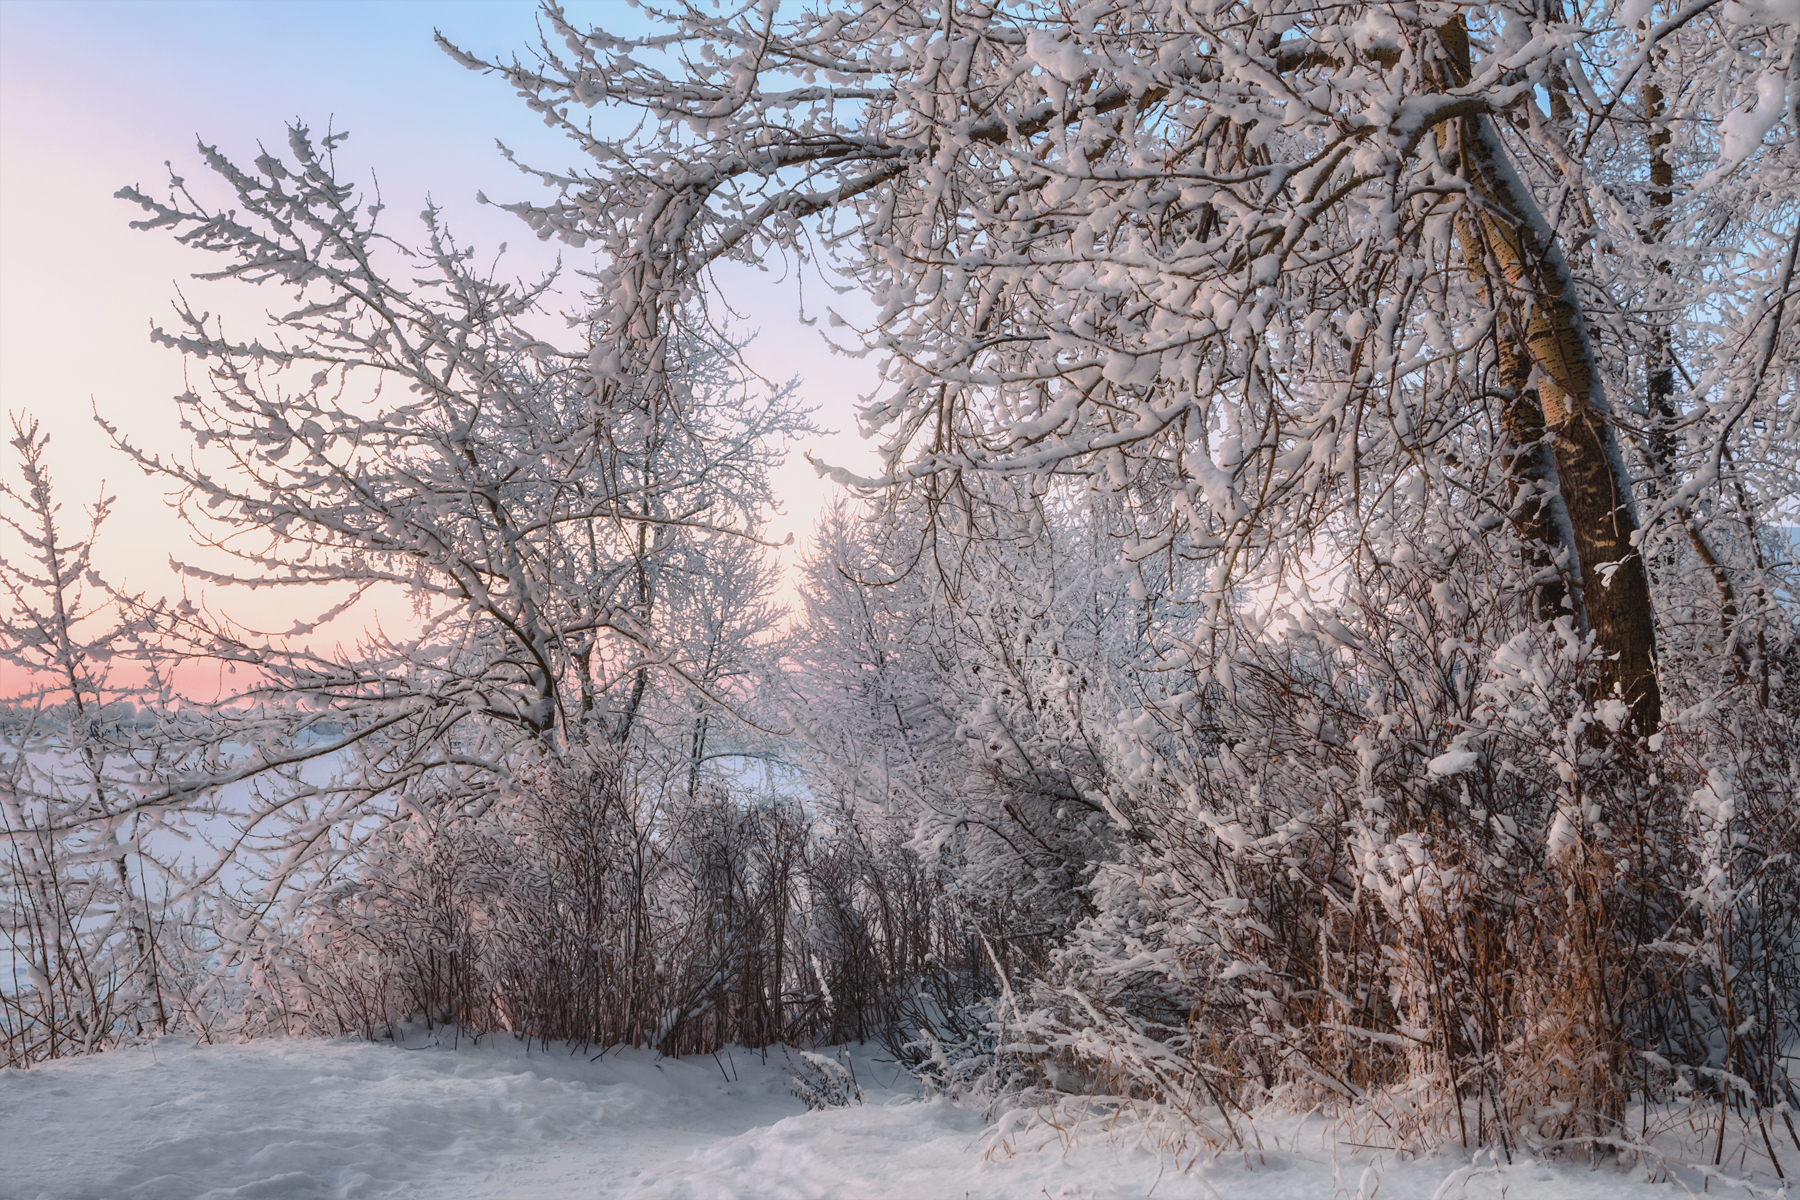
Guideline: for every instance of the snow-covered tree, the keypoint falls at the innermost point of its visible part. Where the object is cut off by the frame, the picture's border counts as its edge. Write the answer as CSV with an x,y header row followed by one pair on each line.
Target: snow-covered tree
x,y
403,427
1287,260
522,567
1320,632
1440,361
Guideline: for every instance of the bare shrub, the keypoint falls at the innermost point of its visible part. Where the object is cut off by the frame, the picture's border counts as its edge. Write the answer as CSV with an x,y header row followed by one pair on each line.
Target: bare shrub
x,y
601,903
89,947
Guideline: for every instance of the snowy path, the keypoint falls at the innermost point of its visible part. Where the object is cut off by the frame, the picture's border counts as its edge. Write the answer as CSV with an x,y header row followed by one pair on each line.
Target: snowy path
x,y
318,1120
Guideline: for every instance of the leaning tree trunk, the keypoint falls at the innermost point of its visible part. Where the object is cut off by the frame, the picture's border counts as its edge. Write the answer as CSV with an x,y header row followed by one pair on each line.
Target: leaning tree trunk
x,y
1615,587
1538,514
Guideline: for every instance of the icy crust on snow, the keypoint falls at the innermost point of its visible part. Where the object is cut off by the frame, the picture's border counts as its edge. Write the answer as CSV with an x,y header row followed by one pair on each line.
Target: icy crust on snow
x,y
316,1120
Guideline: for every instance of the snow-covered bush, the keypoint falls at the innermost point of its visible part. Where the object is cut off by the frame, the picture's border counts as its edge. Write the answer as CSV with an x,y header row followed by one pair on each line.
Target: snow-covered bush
x,y
824,1082
1375,880
1487,924
1396,854
955,716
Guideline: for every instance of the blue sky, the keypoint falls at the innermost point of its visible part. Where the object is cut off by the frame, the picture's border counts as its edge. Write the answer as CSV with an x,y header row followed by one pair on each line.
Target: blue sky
x,y
98,94
123,86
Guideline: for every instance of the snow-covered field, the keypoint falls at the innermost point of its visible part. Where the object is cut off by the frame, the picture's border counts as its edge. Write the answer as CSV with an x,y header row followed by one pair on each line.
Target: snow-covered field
x,y
299,1120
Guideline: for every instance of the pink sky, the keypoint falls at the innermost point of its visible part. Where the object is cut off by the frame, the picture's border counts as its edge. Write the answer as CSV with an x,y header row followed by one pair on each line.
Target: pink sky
x,y
97,95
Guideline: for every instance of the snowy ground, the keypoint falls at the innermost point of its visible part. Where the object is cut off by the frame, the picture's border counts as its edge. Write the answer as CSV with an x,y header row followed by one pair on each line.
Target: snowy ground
x,y
307,1120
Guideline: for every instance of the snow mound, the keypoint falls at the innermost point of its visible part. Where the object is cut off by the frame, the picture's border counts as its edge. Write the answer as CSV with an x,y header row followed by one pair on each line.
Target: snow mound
x,y
319,1120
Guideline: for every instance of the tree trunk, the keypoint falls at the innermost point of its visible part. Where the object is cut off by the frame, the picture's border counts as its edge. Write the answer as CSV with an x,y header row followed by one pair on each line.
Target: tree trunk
x,y
1659,381
1615,587
1538,513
